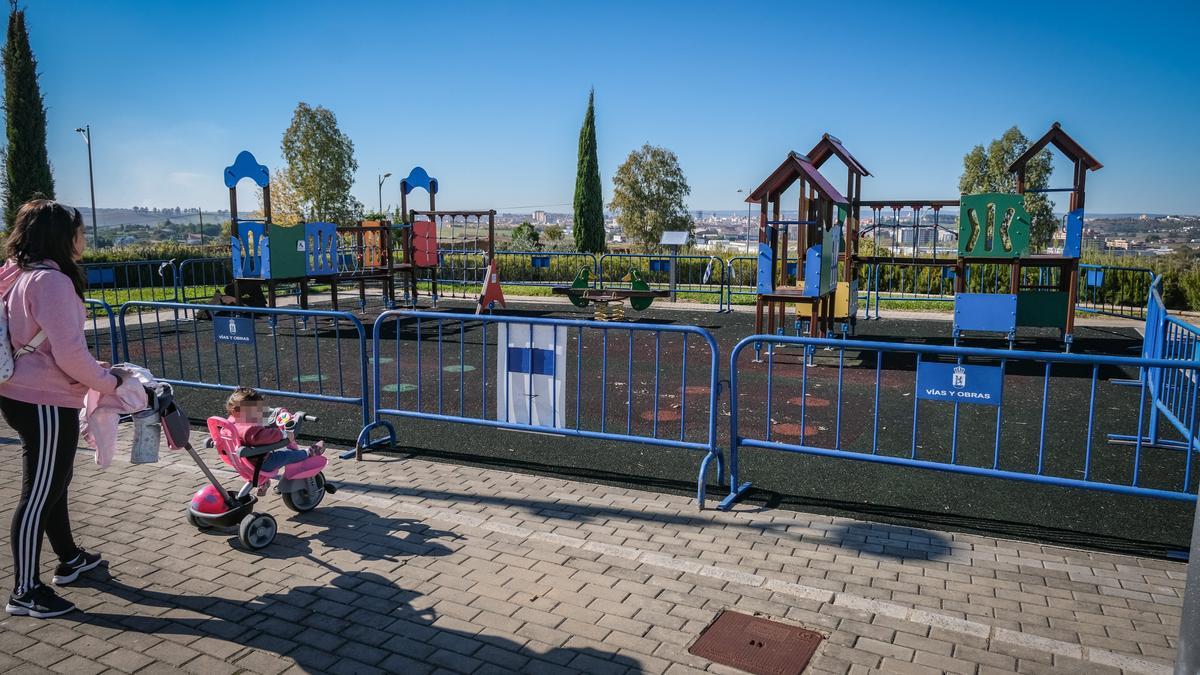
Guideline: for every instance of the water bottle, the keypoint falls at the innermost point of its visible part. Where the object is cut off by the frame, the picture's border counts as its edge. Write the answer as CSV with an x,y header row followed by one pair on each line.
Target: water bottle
x,y
147,432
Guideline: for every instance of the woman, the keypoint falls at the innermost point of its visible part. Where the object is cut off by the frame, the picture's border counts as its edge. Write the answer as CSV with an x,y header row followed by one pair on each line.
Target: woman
x,y
42,286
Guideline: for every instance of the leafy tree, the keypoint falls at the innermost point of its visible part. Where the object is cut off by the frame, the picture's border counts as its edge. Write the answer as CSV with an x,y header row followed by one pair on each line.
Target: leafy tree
x,y
525,237
648,193
987,171
320,168
588,228
27,167
553,235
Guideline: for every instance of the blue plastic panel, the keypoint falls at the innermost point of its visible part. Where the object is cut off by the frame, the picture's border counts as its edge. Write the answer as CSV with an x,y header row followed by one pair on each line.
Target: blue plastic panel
x,y
539,261
320,249
988,312
791,269
812,271
766,267
245,166
1074,244
417,178
660,264
250,252
1095,278
101,276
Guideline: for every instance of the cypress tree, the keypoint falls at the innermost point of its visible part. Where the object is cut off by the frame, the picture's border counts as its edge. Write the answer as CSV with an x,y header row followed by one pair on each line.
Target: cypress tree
x,y
26,164
588,229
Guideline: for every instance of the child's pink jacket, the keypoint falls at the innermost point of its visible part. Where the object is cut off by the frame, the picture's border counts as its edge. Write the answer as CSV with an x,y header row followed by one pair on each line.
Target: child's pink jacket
x,y
101,412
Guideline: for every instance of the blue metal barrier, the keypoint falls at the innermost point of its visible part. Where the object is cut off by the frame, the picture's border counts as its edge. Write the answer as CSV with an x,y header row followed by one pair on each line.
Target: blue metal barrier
x,y
199,278
1114,291
1173,389
915,417
544,268
908,281
594,397
101,324
740,277
141,280
698,274
214,347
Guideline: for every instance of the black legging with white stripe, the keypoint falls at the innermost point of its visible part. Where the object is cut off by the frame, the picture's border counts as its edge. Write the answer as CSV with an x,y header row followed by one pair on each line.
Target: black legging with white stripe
x,y
49,438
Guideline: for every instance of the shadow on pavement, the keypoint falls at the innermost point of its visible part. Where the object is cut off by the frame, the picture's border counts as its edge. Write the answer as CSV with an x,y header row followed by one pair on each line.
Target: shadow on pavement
x,y
358,618
862,537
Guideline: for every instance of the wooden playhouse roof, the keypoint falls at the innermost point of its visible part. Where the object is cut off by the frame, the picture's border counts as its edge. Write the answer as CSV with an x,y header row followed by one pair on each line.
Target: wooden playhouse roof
x,y
793,168
1065,144
829,146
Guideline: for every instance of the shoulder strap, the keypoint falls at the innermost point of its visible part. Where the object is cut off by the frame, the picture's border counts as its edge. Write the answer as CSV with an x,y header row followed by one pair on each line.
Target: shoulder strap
x,y
40,337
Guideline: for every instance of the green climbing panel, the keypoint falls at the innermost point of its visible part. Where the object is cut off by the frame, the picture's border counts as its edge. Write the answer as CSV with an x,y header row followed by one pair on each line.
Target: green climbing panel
x,y
993,225
1042,309
287,254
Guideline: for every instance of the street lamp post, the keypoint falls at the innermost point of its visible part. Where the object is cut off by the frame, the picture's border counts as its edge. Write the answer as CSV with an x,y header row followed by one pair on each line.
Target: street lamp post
x,y
747,239
86,132
381,179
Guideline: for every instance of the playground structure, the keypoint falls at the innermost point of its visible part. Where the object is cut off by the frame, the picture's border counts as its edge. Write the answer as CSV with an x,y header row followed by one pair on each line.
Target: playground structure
x,y
992,237
462,264
263,252
822,219
994,229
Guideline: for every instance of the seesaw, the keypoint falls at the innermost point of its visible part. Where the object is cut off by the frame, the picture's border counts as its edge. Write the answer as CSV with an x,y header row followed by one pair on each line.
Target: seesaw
x,y
608,300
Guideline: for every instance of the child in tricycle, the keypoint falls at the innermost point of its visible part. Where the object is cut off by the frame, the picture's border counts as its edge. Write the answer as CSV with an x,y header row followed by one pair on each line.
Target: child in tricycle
x,y
248,413
260,444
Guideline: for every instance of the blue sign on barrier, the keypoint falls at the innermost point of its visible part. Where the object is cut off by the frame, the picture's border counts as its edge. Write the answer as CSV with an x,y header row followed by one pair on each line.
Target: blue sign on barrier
x,y
959,382
234,329
660,264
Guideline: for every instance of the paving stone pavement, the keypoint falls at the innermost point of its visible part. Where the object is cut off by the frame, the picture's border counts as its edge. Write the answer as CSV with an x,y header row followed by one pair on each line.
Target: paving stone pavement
x,y
424,567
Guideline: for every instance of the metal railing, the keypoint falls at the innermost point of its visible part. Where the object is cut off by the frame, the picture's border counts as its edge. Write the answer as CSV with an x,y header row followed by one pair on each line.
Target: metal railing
x,y
1114,291
141,280
545,268
595,380
943,408
101,326
690,274
285,352
198,277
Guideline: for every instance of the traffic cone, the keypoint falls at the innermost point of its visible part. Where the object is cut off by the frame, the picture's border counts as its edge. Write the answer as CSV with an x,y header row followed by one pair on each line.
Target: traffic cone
x,y
492,292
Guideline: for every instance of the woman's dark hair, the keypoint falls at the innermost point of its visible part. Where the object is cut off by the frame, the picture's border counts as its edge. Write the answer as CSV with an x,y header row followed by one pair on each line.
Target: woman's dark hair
x,y
45,230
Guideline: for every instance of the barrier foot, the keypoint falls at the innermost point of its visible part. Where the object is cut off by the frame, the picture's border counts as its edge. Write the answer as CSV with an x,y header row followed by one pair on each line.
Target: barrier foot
x,y
364,442
701,482
1148,442
735,495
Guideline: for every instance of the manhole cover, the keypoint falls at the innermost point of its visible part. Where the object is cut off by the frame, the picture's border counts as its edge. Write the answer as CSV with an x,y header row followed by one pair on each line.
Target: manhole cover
x,y
756,645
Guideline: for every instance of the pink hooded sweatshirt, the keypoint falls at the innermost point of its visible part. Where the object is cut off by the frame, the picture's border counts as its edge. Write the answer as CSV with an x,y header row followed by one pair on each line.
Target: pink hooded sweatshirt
x,y
62,369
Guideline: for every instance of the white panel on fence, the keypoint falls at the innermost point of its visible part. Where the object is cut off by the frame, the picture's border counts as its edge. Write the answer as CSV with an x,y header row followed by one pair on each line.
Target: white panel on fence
x,y
531,366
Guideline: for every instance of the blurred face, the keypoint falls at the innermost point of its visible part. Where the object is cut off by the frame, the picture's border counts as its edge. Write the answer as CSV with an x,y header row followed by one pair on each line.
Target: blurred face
x,y
80,244
250,413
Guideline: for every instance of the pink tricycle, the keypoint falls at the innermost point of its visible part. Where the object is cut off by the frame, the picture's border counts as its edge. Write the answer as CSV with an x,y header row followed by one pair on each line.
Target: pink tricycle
x,y
300,483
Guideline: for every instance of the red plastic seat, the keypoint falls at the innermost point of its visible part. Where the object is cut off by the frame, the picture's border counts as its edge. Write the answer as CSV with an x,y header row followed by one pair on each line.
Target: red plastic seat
x,y
227,440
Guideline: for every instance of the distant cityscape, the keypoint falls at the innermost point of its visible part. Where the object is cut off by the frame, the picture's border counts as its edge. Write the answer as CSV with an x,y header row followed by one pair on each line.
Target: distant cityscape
x,y
1121,234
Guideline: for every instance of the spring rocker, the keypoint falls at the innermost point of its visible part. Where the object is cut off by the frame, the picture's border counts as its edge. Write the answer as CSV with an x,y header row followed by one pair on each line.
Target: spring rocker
x,y
462,264
608,301
274,254
994,229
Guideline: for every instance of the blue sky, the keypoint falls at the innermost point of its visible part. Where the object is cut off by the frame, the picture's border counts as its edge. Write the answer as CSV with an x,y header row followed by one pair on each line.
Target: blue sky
x,y
488,97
